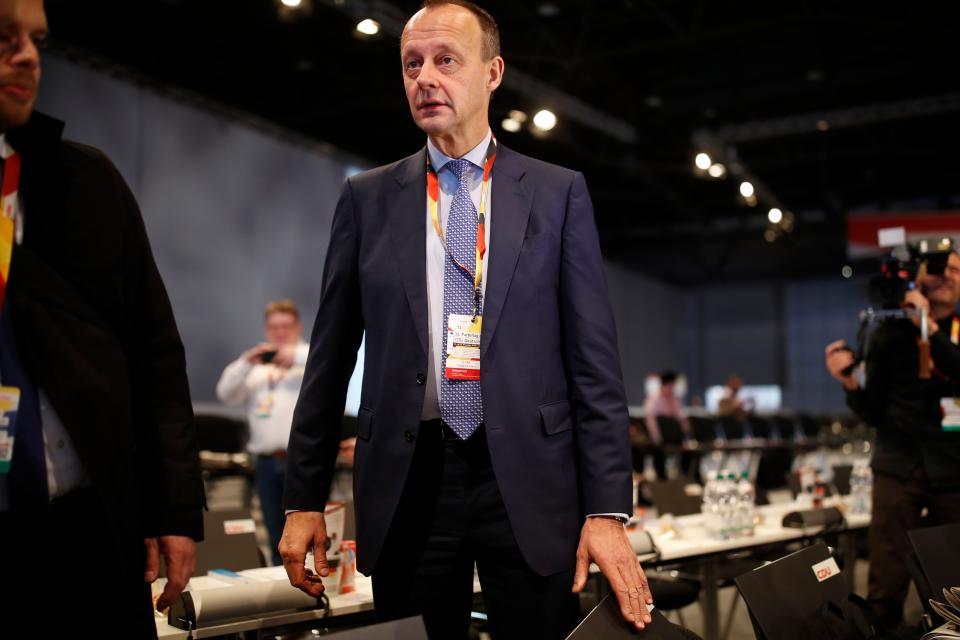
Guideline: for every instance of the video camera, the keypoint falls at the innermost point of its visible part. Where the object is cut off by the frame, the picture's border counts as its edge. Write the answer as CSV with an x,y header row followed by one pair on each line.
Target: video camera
x,y
898,274
899,269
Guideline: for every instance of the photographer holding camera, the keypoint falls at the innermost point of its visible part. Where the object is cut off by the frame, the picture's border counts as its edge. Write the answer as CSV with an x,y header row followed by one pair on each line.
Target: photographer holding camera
x,y
267,379
916,460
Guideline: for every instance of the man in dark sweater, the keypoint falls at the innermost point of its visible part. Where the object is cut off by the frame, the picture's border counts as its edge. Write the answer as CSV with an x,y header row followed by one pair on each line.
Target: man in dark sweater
x,y
99,472
916,462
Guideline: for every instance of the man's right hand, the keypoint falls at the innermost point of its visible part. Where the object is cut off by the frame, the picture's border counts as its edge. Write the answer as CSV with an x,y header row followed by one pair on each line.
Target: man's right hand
x,y
255,355
305,531
839,357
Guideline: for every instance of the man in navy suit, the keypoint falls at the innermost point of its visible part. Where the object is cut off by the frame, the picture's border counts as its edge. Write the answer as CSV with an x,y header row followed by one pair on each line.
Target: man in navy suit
x,y
493,426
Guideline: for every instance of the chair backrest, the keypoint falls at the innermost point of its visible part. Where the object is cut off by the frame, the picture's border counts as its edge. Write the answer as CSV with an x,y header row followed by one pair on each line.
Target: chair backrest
x,y
670,430
229,542
760,427
788,592
938,555
403,629
809,427
704,429
731,427
669,496
219,433
606,622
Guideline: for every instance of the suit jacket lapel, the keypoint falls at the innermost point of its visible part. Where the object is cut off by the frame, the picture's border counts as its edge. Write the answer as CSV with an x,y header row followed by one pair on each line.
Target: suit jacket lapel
x,y
509,212
406,217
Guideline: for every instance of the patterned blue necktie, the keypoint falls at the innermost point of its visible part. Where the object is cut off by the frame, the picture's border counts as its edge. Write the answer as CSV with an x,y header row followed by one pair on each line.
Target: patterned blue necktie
x,y
26,484
460,404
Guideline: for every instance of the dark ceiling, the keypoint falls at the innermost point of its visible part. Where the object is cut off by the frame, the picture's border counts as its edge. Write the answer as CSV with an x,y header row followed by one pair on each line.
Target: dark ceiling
x,y
750,79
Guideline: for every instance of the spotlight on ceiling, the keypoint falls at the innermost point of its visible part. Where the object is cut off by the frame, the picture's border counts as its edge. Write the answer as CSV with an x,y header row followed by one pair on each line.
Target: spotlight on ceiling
x,y
775,215
702,161
544,120
746,189
293,4
368,26
717,170
511,125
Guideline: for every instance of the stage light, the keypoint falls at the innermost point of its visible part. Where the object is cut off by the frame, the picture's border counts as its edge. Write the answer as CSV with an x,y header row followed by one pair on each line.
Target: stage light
x,y
368,27
545,120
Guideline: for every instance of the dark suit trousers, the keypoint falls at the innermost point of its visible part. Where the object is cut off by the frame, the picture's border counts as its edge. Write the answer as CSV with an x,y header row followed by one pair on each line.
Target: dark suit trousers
x,y
897,505
450,516
61,571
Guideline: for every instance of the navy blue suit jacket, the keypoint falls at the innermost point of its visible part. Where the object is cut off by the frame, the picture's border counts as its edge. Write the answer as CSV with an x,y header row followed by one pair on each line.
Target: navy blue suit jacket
x,y
554,404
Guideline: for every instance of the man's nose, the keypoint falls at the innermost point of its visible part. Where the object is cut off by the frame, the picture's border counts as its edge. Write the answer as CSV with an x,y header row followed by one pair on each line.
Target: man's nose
x,y
427,79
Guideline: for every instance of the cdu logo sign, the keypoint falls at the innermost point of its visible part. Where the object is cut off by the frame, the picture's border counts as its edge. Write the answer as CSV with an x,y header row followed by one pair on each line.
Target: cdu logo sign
x,y
826,569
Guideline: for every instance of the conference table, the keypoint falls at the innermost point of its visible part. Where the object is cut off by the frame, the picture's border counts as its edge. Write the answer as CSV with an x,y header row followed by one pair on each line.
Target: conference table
x,y
681,540
684,540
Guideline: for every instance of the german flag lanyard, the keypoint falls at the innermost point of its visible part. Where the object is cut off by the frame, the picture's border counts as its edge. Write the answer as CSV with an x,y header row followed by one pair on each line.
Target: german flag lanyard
x,y
433,203
9,396
8,214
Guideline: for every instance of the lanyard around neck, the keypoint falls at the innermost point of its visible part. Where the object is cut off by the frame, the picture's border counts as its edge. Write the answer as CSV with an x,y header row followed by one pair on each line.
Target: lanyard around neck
x,y
433,202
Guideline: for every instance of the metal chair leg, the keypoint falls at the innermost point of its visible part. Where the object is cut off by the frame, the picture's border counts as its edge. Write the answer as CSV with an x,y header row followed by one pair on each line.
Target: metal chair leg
x,y
733,610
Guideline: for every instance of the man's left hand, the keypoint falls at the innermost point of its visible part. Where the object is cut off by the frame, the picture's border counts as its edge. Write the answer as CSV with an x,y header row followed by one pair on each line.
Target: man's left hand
x,y
180,554
918,301
604,541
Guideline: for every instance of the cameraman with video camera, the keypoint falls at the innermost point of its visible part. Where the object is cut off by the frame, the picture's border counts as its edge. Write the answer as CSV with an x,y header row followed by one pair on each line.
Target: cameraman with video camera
x,y
916,413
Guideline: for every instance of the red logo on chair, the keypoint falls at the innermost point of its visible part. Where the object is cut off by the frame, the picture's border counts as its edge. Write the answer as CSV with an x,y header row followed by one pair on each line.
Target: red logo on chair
x,y
826,569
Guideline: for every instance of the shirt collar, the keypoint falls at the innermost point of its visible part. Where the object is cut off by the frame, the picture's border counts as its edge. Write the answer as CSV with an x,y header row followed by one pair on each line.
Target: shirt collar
x,y
477,156
5,149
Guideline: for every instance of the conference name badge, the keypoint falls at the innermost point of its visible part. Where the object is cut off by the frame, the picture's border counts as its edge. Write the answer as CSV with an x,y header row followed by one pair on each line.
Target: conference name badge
x,y
9,403
950,408
463,347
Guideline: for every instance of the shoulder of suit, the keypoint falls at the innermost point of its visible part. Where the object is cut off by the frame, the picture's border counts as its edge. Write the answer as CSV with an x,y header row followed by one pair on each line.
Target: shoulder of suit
x,y
387,171
79,155
538,168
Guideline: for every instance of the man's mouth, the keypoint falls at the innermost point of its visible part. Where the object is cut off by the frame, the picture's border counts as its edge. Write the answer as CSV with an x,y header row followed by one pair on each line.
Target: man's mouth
x,y
19,91
430,105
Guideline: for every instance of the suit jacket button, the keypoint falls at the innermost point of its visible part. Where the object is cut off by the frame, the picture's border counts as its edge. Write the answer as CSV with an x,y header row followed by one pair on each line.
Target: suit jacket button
x,y
408,436
421,378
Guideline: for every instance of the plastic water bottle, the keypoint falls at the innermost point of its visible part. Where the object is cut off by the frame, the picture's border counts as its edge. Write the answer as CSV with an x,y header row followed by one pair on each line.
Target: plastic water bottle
x,y
746,505
728,506
710,508
861,487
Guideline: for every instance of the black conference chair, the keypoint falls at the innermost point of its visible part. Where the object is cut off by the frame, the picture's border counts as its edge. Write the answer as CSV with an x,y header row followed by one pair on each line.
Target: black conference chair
x,y
731,427
935,563
704,430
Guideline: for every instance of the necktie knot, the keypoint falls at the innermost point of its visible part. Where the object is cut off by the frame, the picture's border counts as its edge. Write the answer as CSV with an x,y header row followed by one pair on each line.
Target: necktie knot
x,y
459,168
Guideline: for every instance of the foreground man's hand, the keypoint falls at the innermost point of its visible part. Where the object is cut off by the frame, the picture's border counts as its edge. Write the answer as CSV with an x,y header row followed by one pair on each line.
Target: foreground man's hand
x,y
305,531
180,554
604,541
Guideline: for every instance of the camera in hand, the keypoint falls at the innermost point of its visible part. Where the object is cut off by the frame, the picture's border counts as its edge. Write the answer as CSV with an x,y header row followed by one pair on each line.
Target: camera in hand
x,y
898,275
268,356
898,270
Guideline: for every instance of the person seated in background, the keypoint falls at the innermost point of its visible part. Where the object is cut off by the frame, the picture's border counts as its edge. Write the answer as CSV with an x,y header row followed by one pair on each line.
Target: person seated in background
x,y
734,403
664,403
267,378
